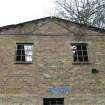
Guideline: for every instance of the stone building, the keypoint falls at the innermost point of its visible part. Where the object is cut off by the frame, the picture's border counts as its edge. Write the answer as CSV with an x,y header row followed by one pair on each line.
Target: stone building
x,y
52,61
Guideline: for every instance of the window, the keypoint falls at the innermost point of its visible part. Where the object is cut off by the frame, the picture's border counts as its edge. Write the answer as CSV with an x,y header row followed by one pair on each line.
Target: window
x,y
24,53
80,52
53,101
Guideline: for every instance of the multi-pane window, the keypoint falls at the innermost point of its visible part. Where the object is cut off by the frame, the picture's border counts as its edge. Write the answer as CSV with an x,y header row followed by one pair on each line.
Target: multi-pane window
x,y
53,101
80,52
24,53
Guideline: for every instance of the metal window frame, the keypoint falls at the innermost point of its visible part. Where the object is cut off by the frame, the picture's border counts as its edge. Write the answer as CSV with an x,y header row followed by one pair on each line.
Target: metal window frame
x,y
83,56
21,61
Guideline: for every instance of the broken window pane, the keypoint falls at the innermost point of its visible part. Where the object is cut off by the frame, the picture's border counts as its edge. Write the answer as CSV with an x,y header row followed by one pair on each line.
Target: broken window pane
x,y
28,53
80,53
28,58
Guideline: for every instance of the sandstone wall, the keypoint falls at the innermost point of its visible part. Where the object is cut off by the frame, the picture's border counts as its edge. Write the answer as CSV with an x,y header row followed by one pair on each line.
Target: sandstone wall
x,y
52,66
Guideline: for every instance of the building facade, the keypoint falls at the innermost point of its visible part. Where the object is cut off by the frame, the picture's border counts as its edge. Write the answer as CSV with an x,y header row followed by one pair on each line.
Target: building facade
x,y
51,61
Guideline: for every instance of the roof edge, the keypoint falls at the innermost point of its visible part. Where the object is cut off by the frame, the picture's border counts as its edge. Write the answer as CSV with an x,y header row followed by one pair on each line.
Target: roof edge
x,y
52,18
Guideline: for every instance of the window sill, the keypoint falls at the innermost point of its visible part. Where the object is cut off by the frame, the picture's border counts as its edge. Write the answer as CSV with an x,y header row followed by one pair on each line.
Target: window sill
x,y
23,63
81,63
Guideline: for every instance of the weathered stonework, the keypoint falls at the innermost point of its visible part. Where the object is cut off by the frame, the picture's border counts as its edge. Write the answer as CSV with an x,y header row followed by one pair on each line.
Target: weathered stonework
x,y
28,84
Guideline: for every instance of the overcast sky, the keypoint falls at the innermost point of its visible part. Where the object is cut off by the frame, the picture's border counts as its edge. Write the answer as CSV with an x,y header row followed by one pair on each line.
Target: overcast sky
x,y
17,11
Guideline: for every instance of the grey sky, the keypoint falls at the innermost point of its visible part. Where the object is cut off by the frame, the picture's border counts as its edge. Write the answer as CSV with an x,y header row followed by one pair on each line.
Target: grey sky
x,y
17,11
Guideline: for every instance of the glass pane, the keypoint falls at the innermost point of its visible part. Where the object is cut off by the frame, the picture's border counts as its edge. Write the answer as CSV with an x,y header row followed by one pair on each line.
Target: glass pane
x,y
18,58
46,102
18,52
23,52
28,52
80,59
20,46
28,47
85,58
75,58
53,101
78,47
23,58
79,53
28,58
84,47
84,52
60,101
